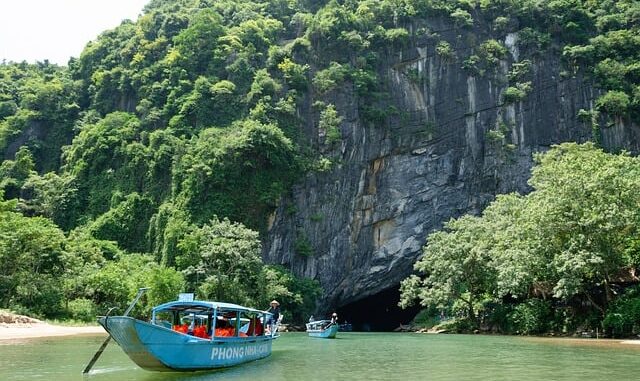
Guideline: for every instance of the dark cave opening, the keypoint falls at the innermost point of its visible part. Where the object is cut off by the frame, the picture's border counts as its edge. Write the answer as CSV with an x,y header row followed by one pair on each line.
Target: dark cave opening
x,y
379,312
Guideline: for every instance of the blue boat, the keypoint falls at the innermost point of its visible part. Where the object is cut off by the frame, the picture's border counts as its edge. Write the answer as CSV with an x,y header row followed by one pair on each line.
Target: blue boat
x,y
345,327
191,335
324,329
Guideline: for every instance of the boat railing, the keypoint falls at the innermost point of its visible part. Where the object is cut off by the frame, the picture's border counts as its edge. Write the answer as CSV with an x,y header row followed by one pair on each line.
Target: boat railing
x,y
318,325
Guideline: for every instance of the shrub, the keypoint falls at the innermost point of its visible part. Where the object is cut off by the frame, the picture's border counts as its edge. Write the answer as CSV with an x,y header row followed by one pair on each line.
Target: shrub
x,y
623,317
82,309
444,50
302,246
531,317
427,318
516,94
501,23
329,78
461,18
330,123
614,103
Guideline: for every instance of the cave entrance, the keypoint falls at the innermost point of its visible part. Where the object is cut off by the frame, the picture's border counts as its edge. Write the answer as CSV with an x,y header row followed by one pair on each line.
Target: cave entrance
x,y
379,312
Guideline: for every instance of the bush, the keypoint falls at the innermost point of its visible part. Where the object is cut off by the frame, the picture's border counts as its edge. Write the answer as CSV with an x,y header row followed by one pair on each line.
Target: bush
x,y
531,317
82,309
330,123
427,318
302,246
516,94
614,103
461,18
329,78
444,50
623,317
458,325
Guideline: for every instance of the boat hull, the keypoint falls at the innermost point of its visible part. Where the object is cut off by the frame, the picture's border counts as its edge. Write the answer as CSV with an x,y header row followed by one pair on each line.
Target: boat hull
x,y
157,348
327,333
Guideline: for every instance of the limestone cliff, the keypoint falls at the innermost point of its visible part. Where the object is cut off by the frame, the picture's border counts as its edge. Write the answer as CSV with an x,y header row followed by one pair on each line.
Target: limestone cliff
x,y
454,145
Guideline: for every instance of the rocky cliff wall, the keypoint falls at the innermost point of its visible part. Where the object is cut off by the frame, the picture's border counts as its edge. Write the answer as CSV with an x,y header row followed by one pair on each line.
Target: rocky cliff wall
x,y
453,146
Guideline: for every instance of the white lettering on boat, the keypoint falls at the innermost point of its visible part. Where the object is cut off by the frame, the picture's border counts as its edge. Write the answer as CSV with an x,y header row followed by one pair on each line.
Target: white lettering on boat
x,y
231,353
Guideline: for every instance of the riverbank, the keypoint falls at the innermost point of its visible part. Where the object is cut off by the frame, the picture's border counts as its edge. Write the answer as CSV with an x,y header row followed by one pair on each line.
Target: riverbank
x,y
17,327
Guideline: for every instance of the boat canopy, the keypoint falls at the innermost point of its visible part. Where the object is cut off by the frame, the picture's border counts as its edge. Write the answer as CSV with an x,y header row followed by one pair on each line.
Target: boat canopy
x,y
198,306
320,322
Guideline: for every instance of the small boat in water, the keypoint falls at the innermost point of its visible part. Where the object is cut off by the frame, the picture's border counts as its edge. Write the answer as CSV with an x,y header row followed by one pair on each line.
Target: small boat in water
x,y
345,327
324,329
188,335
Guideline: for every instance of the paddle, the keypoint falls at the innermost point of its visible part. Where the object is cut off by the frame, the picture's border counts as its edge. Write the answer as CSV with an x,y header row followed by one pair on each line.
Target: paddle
x,y
106,341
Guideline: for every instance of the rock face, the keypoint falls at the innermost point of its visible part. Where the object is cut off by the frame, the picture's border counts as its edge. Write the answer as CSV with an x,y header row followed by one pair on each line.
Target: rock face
x,y
368,218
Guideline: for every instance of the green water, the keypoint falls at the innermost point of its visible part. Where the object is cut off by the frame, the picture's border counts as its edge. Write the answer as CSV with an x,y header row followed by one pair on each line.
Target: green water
x,y
352,356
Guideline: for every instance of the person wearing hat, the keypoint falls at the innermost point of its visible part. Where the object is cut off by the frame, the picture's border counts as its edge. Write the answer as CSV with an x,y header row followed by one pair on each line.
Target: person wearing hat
x,y
334,320
274,309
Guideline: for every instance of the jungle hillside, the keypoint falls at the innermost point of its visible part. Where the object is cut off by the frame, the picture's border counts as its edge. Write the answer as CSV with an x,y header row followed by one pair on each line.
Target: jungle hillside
x,y
159,156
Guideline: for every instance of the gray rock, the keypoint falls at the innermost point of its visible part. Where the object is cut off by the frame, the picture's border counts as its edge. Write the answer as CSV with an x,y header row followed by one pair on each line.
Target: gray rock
x,y
395,183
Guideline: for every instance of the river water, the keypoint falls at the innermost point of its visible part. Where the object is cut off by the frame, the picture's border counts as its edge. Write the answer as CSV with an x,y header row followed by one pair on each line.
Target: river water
x,y
352,356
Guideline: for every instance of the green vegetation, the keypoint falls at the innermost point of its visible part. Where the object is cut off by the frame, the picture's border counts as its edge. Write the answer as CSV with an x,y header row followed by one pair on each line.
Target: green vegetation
x,y
558,259
191,118
513,94
330,124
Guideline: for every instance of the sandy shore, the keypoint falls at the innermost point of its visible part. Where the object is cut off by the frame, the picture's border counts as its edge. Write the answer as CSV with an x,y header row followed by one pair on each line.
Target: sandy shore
x,y
17,327
35,330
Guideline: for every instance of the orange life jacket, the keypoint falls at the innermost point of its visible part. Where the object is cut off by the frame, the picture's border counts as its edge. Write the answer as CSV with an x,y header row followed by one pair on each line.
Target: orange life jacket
x,y
225,332
201,331
183,328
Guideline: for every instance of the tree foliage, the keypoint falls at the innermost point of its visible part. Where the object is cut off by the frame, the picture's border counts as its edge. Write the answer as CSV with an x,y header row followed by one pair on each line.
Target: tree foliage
x,y
567,241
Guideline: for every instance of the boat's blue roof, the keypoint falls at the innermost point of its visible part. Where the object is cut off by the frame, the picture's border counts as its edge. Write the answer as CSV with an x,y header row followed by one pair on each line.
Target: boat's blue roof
x,y
202,305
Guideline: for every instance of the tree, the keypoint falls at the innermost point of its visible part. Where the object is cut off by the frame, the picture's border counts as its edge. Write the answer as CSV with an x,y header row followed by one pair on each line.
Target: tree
x,y
222,262
126,223
297,296
52,196
330,123
572,237
14,173
32,261
456,266
195,45
588,203
615,103
238,173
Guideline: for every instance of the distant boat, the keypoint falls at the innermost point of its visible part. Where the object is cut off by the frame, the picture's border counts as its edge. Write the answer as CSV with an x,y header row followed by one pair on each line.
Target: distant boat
x,y
194,335
345,327
322,328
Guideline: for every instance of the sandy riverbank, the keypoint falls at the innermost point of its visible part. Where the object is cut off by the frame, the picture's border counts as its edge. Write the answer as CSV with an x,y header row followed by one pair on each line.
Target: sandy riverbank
x,y
21,331
16,327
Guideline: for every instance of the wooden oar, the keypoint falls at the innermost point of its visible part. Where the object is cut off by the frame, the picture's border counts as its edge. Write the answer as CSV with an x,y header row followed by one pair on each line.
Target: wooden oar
x,y
97,355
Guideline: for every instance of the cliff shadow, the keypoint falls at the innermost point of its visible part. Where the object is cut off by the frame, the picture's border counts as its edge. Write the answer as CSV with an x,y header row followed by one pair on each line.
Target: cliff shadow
x,y
378,312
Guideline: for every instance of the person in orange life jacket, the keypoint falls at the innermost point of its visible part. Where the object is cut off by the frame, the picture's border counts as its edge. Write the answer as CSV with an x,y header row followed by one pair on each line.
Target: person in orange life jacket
x,y
223,328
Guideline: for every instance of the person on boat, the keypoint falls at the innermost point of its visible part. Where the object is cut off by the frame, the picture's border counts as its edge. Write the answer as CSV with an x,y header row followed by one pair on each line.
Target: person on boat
x,y
311,319
274,309
259,329
254,327
334,320
224,328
